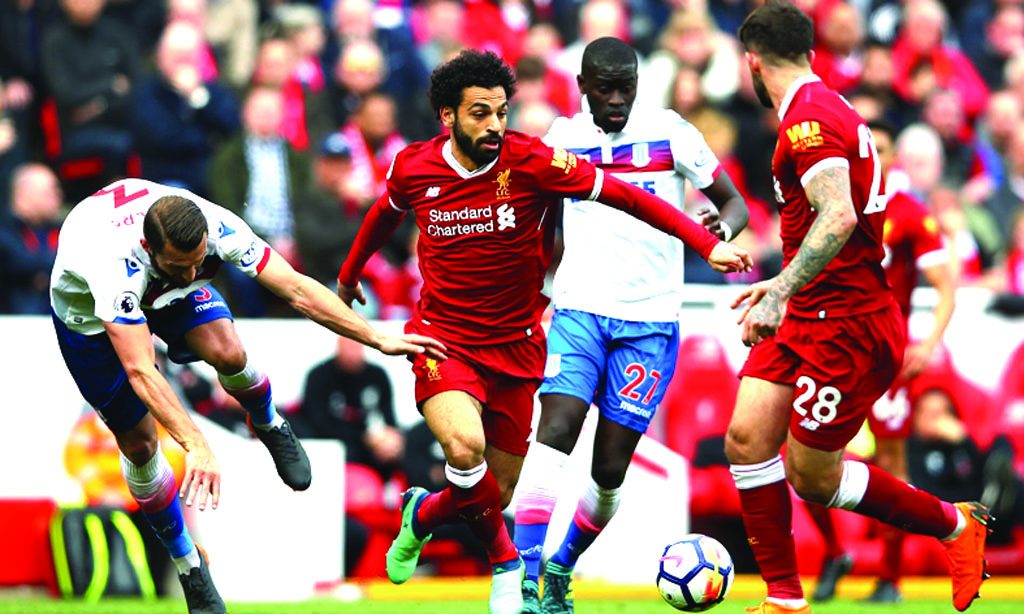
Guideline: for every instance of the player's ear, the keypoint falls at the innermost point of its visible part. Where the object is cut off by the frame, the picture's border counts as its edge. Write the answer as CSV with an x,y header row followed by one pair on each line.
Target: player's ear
x,y
579,84
448,117
144,244
810,56
753,61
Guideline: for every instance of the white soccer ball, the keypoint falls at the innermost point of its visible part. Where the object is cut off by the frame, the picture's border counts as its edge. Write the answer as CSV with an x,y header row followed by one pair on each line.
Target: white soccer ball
x,y
695,573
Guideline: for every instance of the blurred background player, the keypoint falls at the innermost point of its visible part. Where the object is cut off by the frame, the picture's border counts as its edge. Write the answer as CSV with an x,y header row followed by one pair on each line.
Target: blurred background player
x,y
913,244
615,342
136,258
815,374
484,201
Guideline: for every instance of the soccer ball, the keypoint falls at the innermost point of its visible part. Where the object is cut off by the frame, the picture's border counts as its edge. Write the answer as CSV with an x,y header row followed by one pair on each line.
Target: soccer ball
x,y
695,573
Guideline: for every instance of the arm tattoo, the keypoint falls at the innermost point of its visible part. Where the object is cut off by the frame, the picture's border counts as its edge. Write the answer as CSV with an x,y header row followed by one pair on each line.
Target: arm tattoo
x,y
829,193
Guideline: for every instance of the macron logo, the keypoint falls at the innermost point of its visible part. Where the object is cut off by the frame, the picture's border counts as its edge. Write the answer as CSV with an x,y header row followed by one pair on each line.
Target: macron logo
x,y
433,191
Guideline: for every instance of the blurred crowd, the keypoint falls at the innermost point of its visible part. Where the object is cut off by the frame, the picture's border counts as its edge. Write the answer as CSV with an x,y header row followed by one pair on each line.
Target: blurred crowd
x,y
289,113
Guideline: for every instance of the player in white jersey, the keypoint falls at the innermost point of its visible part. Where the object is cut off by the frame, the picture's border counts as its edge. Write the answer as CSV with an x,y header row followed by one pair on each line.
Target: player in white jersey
x,y
135,258
612,342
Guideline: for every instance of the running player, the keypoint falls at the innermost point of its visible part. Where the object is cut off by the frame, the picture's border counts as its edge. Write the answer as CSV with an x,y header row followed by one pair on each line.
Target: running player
x,y
827,336
485,201
613,343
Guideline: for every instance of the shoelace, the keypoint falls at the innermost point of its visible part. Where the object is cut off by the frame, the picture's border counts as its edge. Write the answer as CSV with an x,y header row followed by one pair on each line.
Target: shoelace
x,y
282,441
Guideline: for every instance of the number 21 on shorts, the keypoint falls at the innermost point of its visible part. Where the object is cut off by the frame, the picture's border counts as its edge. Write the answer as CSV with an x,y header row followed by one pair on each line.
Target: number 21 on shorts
x,y
825,401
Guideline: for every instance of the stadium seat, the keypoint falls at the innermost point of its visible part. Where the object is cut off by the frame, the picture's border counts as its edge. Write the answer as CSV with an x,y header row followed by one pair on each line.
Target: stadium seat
x,y
698,406
25,534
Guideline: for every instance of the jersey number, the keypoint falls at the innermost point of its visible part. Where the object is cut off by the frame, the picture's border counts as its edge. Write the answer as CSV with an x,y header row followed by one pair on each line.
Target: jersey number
x,y
638,374
876,202
825,407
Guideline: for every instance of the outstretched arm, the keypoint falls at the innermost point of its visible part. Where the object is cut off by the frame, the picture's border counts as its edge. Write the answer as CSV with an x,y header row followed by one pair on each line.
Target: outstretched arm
x,y
918,354
829,193
134,347
316,302
659,214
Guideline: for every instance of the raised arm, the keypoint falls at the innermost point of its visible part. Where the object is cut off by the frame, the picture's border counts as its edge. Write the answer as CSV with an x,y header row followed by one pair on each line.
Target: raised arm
x,y
134,346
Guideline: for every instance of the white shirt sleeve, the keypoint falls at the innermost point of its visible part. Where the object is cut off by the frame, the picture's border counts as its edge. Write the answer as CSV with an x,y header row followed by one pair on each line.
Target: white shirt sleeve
x,y
235,242
693,158
117,286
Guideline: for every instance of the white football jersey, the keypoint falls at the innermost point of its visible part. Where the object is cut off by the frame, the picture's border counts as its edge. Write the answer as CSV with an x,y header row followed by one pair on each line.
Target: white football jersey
x,y
615,265
103,274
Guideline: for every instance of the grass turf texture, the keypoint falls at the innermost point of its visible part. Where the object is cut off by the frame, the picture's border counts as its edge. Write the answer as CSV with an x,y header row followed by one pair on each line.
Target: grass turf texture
x,y
469,596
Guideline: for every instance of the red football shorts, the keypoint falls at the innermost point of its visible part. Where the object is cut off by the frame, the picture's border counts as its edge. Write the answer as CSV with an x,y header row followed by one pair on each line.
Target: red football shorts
x,y
503,377
890,416
839,368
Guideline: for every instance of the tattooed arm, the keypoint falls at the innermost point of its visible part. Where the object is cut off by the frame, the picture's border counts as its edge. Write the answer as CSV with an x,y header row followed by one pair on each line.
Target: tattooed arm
x,y
829,193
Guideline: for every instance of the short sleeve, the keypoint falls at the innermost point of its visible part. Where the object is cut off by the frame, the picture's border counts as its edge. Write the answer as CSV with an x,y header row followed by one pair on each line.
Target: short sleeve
x,y
816,144
117,286
561,172
394,182
928,245
693,158
237,244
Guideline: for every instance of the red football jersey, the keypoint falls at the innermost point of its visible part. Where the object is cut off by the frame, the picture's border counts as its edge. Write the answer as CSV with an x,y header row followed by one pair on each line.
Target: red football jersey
x,y
819,130
486,236
913,241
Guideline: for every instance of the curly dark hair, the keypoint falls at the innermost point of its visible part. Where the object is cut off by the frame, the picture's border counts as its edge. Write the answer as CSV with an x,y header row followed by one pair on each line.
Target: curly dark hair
x,y
471,68
778,30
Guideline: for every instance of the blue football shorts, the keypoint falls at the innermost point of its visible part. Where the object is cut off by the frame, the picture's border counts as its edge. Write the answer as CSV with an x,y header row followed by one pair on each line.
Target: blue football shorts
x,y
98,372
623,367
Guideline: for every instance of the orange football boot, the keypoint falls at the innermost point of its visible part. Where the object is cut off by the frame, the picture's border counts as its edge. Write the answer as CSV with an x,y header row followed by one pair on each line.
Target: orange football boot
x,y
768,607
967,554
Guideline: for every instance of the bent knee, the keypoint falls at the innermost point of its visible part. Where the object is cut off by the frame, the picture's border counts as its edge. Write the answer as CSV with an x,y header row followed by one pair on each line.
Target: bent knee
x,y
227,359
813,486
464,451
139,450
559,434
744,447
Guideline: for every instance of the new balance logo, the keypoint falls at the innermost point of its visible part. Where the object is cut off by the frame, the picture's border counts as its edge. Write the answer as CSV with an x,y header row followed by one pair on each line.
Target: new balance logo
x,y
506,217
810,425
433,191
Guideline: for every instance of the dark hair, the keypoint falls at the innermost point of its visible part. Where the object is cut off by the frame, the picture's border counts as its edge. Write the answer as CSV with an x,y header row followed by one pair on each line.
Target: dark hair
x,y
175,220
778,30
883,125
471,68
608,51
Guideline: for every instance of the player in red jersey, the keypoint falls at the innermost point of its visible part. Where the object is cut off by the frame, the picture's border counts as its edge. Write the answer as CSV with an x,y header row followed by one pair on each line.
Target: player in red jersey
x,y
485,201
913,244
827,335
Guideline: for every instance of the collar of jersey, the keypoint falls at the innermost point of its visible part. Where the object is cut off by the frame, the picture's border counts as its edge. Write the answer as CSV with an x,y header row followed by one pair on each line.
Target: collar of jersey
x,y
449,157
794,87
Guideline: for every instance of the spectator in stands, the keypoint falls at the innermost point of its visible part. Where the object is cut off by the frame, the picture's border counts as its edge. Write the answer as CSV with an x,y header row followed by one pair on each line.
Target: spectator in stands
x,y
920,44
532,95
90,65
305,117
837,56
944,112
690,39
12,154
28,244
257,175
373,136
348,399
177,116
193,13
303,26
1004,39
358,72
402,74
944,459
443,23
598,18
686,97
231,28
1002,117
327,214
1008,200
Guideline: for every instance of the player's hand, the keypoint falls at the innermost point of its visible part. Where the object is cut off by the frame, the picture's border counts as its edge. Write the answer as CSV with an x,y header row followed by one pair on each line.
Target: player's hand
x,y
202,477
727,258
916,359
349,294
709,218
410,345
762,314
